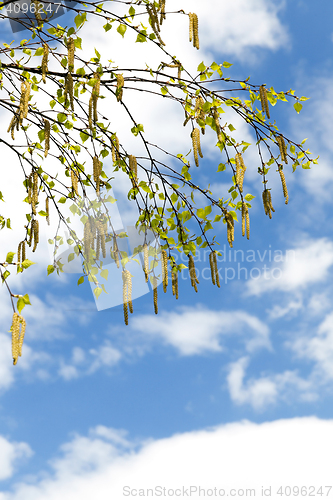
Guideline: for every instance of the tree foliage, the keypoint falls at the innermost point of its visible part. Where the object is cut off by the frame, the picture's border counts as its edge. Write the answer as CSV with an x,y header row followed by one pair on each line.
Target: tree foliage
x,y
86,146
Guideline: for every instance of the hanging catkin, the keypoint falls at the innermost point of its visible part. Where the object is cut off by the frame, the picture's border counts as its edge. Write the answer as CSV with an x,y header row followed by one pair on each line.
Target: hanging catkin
x,y
174,275
196,146
240,171
47,130
35,231
154,285
267,201
193,276
162,10
151,9
217,276
97,169
212,267
282,148
193,29
230,228
284,184
45,61
34,197
245,220
114,254
217,125
133,165
125,297
115,148
70,54
47,210
120,85
69,90
145,261
74,179
164,270
264,100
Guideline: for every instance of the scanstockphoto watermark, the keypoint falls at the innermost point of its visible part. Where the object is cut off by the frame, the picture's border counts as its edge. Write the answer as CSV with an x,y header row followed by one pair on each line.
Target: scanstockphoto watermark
x,y
232,255
26,14
188,491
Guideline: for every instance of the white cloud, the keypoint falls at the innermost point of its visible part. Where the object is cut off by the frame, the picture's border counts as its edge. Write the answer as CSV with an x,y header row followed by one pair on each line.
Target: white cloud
x,y
10,454
302,266
236,455
266,390
196,330
318,348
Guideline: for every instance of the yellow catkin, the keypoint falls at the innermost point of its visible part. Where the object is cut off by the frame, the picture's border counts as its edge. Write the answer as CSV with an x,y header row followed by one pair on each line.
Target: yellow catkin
x,y
245,220
115,254
26,99
101,230
93,116
284,185
264,100
74,179
240,171
20,255
120,85
22,333
196,146
70,54
282,148
193,276
47,130
267,201
98,245
34,199
154,284
47,210
129,290
145,261
212,267
35,227
37,11
45,61
12,125
164,270
219,132
174,275
115,148
200,115
69,89
97,168
133,165
230,228
217,276
193,30
125,298
15,337
162,10
151,9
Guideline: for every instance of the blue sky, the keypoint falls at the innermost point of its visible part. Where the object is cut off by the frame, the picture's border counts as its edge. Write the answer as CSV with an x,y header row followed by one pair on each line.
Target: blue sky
x,y
221,382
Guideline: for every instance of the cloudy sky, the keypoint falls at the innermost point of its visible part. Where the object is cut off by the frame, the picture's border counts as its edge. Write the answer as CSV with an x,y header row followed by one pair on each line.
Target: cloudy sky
x,y
228,388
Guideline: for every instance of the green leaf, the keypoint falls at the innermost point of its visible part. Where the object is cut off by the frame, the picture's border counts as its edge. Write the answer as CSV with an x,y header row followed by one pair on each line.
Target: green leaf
x,y
105,273
122,29
201,67
26,299
27,263
20,304
71,257
10,256
298,106
61,117
62,200
50,269
249,197
97,291
226,64
107,27
221,167
81,280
